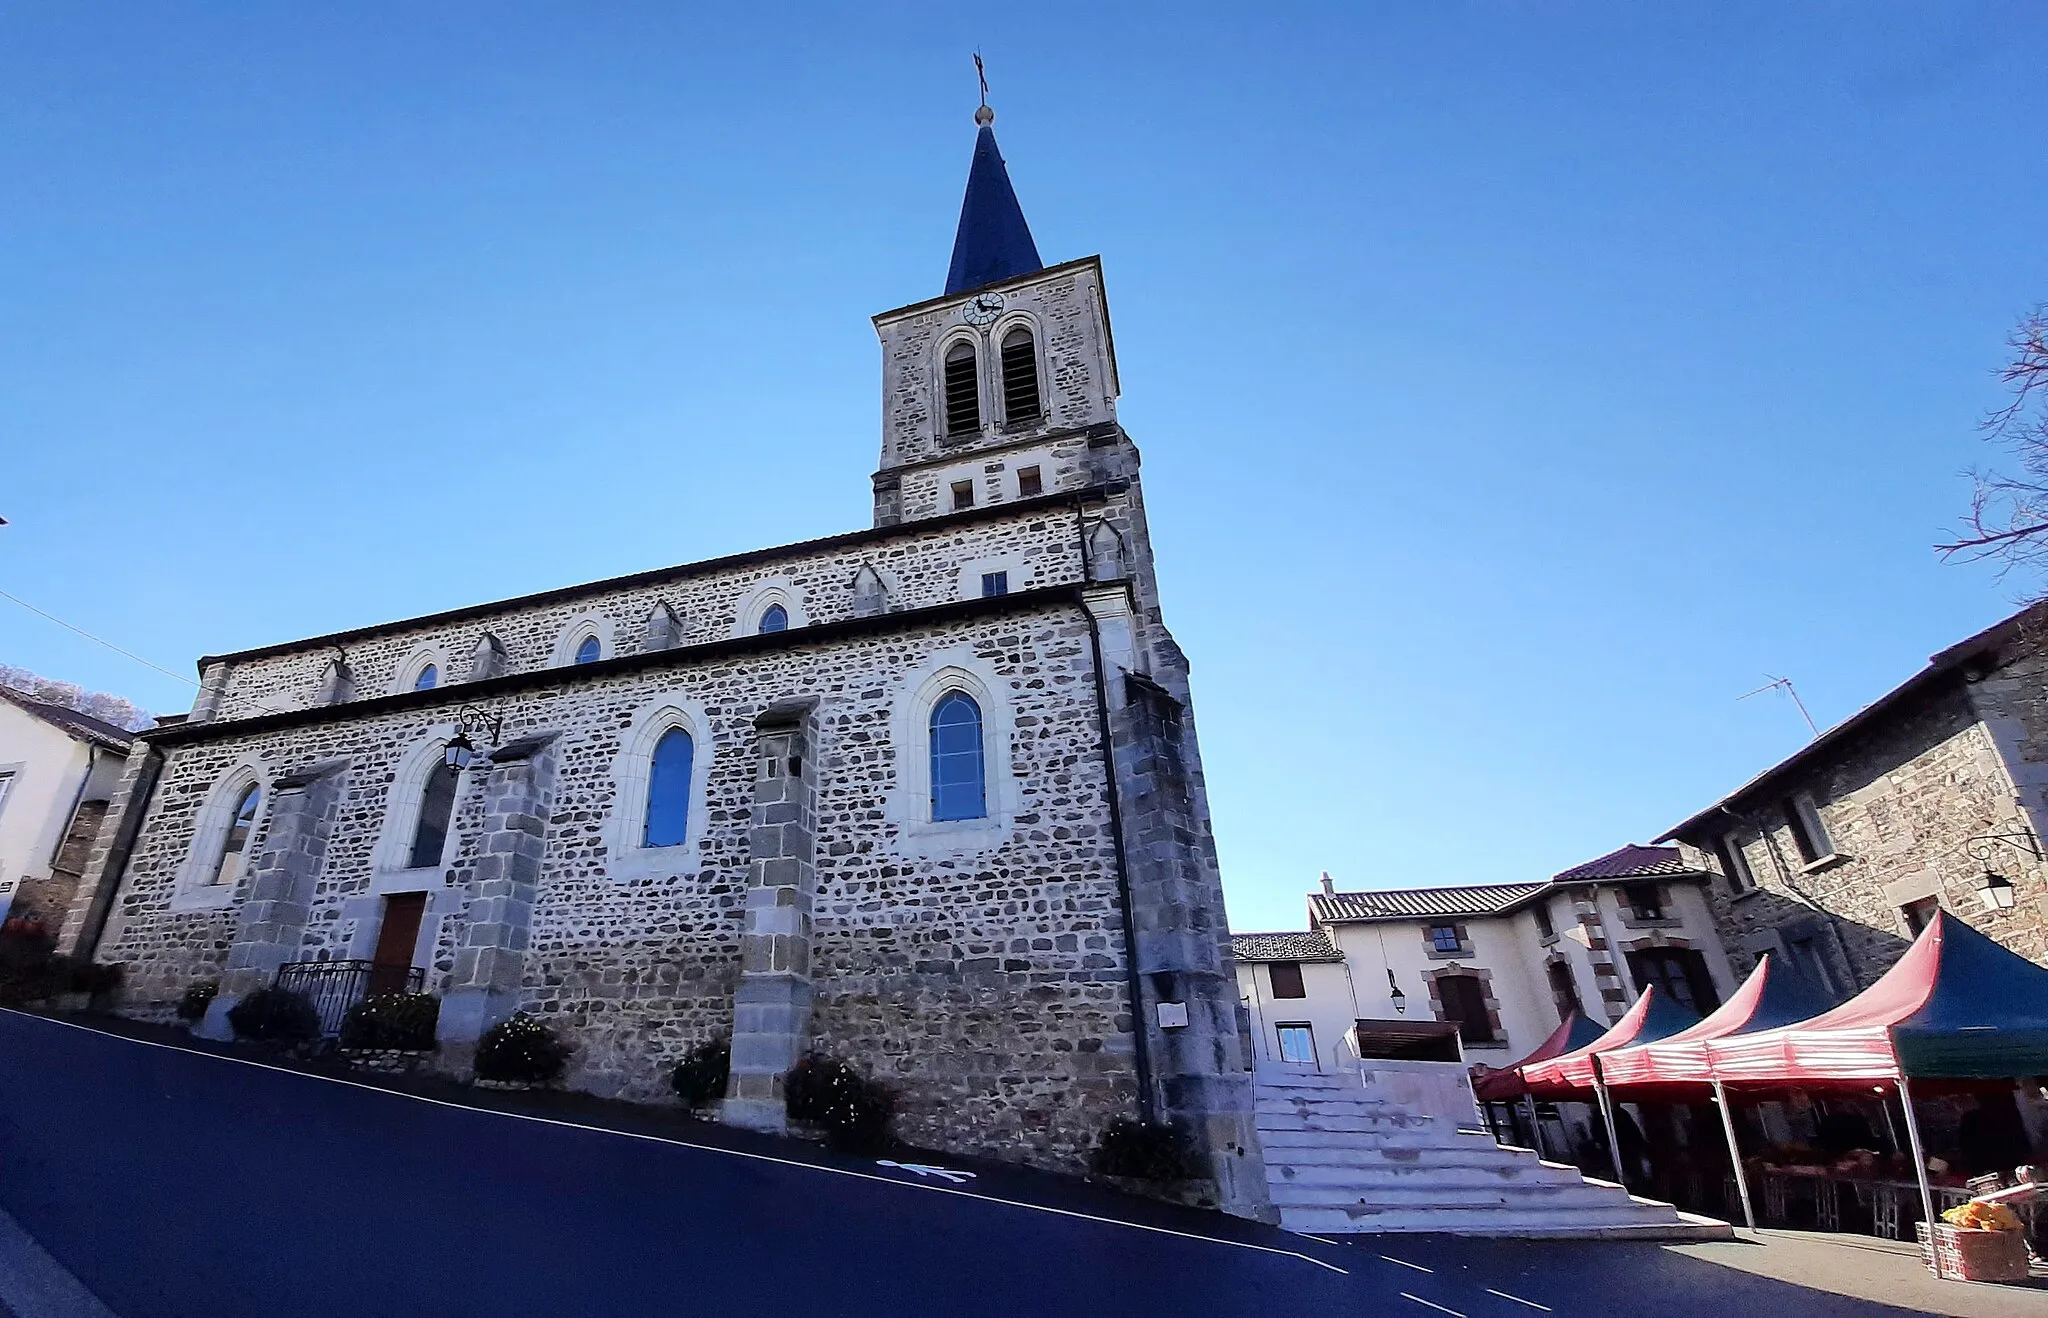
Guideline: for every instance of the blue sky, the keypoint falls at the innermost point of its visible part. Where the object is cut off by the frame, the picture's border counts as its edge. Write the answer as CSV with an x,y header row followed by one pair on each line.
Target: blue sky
x,y
1518,384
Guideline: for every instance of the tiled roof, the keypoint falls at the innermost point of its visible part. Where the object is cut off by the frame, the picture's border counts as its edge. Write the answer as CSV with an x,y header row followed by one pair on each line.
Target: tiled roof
x,y
1630,862
1284,947
83,727
1413,903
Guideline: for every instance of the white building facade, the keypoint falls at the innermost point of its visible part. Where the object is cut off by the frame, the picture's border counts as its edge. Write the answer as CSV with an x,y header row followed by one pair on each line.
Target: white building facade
x,y
58,769
1502,963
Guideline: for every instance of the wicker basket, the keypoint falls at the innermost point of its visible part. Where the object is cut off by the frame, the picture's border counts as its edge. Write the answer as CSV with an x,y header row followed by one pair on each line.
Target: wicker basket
x,y
1968,1255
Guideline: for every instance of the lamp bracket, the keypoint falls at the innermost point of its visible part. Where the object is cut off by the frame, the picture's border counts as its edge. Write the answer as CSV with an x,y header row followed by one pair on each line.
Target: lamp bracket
x,y
1985,845
472,718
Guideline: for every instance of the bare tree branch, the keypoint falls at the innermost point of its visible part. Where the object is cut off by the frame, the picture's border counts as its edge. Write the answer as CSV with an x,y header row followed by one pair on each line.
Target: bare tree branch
x,y
2008,518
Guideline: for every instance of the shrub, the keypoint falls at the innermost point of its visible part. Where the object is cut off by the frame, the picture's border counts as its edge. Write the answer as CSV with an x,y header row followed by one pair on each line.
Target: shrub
x,y
701,1076
275,1015
1144,1151
92,977
198,997
853,1111
520,1051
392,1020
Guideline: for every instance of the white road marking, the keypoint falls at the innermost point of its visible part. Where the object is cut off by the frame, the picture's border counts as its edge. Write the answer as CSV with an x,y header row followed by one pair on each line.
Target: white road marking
x,y
1406,1264
1518,1299
1430,1305
682,1144
926,1169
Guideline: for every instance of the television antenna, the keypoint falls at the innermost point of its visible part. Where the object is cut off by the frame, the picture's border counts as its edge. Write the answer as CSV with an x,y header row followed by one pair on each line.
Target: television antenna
x,y
1784,684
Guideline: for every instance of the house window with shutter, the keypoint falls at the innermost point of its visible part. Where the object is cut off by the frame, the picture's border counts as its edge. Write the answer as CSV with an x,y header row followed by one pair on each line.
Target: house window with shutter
x,y
1020,377
1464,1001
1286,977
963,394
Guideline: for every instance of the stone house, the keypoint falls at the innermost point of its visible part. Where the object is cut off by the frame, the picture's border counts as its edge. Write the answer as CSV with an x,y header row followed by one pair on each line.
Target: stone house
x,y
58,770
1931,796
1502,963
926,796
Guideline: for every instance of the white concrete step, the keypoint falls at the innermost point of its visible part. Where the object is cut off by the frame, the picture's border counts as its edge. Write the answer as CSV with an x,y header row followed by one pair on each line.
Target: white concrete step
x,y
1340,1157
1546,1224
1396,1176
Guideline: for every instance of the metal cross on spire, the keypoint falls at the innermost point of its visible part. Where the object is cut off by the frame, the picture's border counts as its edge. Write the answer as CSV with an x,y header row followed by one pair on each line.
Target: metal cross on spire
x,y
982,75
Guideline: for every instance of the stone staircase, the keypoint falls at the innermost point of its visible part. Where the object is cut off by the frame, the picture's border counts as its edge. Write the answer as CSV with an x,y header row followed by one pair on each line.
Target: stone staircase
x,y
1344,1155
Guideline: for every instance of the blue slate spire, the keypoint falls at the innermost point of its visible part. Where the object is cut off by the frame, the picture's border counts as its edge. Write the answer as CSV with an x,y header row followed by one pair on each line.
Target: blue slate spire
x,y
993,241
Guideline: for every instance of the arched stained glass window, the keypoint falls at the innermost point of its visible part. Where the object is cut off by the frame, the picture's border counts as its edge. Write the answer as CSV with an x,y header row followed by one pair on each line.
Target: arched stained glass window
x,y
437,811
776,619
668,789
429,678
959,784
236,845
590,651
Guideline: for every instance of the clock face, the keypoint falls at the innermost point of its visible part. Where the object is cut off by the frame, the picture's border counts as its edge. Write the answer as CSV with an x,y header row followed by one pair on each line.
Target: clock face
x,y
984,309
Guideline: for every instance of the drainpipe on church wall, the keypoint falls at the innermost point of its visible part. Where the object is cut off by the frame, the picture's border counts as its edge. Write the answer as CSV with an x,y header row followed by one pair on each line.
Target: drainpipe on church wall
x,y
1142,1055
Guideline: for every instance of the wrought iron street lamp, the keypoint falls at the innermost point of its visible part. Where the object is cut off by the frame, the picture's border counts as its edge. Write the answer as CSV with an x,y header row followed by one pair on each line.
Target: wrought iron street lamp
x,y
1994,889
1394,993
460,752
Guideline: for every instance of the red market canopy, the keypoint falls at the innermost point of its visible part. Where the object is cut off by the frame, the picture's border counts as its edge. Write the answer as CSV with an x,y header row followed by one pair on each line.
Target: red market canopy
x,y
1957,1006
1768,999
1653,1017
1572,1033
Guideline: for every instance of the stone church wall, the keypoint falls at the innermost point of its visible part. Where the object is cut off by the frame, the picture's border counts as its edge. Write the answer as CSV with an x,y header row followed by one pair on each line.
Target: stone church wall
x,y
987,982
919,566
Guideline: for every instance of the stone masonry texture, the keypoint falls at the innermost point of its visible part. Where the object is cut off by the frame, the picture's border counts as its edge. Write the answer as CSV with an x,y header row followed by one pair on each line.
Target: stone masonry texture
x,y
1901,800
984,972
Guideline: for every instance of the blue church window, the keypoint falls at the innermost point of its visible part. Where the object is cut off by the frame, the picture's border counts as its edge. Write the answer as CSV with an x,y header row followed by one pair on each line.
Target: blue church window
x,y
668,789
429,678
959,783
590,651
776,619
437,812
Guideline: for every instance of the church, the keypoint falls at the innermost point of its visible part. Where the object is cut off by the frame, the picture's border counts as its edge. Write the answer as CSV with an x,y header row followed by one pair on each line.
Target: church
x,y
924,796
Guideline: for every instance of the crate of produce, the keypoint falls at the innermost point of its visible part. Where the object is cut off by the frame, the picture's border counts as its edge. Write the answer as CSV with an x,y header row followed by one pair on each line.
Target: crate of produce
x,y
1974,1255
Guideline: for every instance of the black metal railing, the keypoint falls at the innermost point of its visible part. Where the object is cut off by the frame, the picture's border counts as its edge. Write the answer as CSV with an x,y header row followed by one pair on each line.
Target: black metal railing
x,y
336,986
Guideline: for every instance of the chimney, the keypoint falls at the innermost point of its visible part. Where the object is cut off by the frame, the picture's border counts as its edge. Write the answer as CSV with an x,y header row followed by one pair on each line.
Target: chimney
x,y
1329,888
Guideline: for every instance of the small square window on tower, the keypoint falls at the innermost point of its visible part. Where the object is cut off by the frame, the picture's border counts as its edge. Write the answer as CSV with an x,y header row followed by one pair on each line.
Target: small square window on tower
x,y
995,583
963,495
1029,482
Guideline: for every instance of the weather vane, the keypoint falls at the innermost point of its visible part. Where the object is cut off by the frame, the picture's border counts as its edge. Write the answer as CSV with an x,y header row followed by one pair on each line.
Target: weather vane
x,y
981,74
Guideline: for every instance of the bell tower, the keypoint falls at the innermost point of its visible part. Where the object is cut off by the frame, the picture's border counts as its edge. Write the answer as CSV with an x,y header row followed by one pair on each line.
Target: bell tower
x,y
991,390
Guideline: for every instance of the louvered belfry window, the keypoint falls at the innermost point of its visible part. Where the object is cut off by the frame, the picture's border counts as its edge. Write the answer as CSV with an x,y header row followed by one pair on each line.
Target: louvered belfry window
x,y
963,398
1020,377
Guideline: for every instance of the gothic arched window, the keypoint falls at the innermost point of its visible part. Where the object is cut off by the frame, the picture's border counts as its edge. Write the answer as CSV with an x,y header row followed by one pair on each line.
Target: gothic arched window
x,y
590,651
1020,377
236,845
963,392
437,811
959,784
668,789
776,619
429,678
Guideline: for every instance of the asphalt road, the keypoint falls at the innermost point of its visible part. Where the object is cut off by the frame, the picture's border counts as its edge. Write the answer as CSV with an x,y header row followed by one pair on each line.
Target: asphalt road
x,y
173,1182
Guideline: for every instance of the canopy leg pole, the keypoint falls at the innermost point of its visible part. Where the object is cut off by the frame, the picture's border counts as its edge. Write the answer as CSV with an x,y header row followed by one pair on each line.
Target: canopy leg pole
x,y
1920,1170
1535,1126
1735,1154
1613,1138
